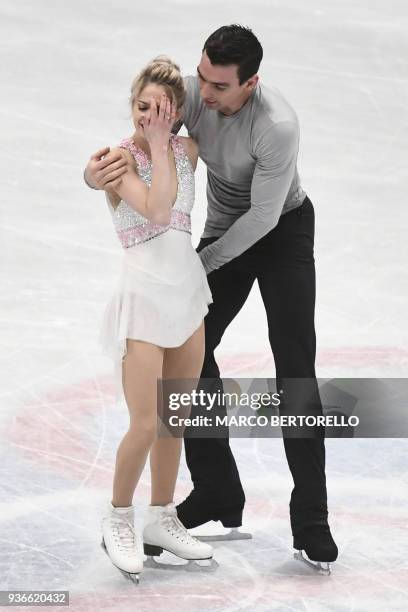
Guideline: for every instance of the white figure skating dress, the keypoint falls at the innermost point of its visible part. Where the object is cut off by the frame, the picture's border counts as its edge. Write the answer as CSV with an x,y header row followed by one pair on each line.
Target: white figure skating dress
x,y
162,294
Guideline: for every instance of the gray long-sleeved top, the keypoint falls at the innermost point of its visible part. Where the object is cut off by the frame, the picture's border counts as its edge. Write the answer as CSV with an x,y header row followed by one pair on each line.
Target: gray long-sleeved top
x,y
251,168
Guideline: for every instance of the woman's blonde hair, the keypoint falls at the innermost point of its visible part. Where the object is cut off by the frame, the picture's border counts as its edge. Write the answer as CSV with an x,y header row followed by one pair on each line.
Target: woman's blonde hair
x,y
162,71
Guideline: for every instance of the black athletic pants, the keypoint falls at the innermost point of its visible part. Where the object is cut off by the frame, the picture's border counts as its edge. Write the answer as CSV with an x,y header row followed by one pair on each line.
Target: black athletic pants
x,y
283,264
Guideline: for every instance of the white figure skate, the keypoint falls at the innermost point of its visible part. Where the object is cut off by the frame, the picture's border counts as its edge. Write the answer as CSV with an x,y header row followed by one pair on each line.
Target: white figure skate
x,y
119,541
164,531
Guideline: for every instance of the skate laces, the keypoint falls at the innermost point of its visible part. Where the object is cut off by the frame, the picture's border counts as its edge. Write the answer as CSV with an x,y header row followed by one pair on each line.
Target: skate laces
x,y
176,528
123,532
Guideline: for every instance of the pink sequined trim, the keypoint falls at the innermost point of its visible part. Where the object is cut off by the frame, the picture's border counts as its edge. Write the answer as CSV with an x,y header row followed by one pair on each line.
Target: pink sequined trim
x,y
177,146
139,155
135,235
142,158
180,220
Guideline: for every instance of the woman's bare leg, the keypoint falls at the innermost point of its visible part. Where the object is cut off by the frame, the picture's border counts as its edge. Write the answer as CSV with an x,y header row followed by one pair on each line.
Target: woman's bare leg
x,y
142,366
184,361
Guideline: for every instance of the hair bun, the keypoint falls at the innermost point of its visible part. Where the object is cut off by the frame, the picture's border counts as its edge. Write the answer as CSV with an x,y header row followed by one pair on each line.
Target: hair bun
x,y
165,60
162,71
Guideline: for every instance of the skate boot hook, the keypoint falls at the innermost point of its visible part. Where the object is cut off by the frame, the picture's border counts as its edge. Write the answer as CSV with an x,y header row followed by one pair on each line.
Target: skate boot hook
x,y
164,531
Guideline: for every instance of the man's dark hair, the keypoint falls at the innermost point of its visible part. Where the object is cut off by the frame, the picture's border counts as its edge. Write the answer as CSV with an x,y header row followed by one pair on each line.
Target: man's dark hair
x,y
235,44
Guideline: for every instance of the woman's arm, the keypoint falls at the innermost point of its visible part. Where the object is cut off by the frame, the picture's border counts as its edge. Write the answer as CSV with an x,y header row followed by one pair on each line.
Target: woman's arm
x,y
155,202
113,197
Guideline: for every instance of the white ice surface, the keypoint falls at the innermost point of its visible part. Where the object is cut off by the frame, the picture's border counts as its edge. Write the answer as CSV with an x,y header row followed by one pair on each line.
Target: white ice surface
x,y
65,74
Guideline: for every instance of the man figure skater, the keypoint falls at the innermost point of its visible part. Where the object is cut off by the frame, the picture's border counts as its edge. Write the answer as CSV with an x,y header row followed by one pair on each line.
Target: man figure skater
x,y
260,225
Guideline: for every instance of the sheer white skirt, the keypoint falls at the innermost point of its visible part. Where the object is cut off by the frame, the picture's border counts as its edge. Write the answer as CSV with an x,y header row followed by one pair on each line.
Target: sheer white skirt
x,y
162,295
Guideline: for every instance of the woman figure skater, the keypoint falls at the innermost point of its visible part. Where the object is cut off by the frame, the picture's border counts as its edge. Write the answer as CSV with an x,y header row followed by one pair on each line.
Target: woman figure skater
x,y
153,326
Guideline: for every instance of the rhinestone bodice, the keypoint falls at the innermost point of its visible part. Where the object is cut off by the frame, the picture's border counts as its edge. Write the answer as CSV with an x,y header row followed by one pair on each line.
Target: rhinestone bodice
x,y
132,227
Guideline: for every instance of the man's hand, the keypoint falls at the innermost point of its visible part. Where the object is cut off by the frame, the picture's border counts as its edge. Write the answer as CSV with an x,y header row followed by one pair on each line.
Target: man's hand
x,y
105,167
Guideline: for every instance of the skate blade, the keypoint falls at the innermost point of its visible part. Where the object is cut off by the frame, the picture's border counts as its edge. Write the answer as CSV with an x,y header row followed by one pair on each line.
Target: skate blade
x,y
199,565
132,577
232,535
321,567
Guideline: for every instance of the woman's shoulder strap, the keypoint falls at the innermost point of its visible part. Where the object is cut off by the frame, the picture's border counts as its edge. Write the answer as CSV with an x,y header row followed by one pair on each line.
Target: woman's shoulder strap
x,y
138,155
178,146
